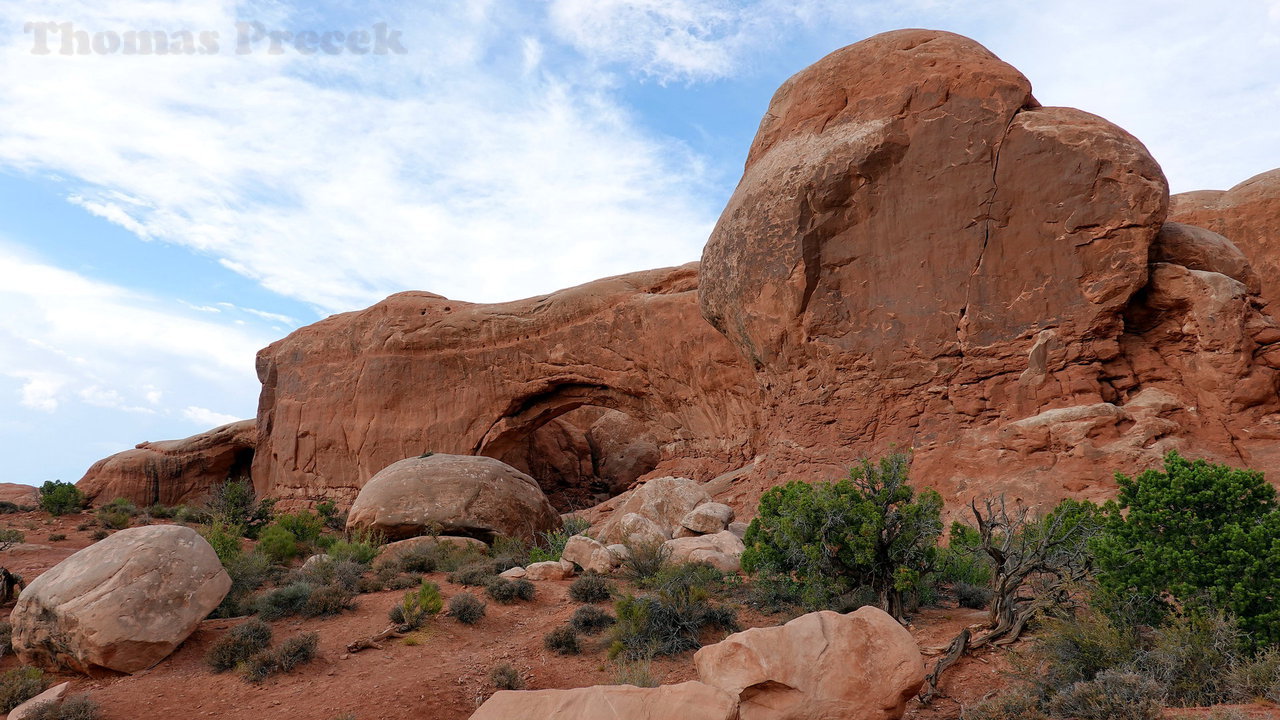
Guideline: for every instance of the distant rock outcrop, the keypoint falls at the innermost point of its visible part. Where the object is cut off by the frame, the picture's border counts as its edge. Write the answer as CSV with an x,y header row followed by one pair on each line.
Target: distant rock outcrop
x,y
122,604
347,396
174,471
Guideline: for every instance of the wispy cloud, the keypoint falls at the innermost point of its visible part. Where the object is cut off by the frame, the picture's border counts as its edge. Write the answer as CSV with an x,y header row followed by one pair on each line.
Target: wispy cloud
x,y
208,418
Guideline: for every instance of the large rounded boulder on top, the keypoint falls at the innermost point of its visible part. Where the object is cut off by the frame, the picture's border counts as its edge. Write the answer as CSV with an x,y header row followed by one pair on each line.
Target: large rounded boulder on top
x,y
173,472
1248,215
465,495
123,604
820,666
663,501
686,701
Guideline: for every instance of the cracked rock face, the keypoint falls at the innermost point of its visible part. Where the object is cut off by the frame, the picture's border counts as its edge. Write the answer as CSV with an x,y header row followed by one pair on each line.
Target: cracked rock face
x,y
475,497
820,666
122,604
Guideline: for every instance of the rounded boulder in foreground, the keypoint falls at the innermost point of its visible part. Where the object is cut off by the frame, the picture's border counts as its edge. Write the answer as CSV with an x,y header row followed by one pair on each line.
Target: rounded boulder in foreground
x,y
123,604
472,496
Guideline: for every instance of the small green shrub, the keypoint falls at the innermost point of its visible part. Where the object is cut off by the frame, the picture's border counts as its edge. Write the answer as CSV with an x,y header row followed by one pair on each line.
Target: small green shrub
x,y
305,526
328,600
99,535
10,537
223,538
292,653
278,543
57,537
466,608
354,550
870,530
590,620
668,622
162,512
75,707
417,607
550,545
1019,704
563,641
591,588
284,601
8,508
236,505
331,516
477,573
1077,648
975,597
20,685
644,561
60,498
1191,657
188,515
248,571
238,645
508,591
1112,695
506,677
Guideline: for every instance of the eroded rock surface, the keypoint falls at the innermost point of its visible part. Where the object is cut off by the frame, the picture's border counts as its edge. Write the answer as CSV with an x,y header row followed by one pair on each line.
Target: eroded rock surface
x,y
820,666
173,472
476,497
123,603
686,701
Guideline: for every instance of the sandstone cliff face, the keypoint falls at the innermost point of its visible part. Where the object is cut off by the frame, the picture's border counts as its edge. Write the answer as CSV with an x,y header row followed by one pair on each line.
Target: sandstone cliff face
x,y
174,471
348,396
1248,214
920,256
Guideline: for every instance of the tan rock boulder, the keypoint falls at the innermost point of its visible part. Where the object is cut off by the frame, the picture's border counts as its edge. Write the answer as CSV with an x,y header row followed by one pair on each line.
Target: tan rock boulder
x,y
392,549
1198,249
19,494
711,517
589,554
453,494
634,529
664,501
686,701
174,471
820,666
549,570
722,550
54,695
123,603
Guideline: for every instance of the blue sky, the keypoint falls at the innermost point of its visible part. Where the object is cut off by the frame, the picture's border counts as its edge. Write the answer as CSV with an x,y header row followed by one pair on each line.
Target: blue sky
x,y
163,217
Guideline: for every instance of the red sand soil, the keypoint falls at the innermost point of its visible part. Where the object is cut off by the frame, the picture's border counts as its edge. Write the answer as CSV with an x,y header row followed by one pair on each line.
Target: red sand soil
x,y
440,673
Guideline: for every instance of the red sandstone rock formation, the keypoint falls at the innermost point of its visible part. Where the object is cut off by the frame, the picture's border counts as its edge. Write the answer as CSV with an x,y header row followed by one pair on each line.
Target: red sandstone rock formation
x,y
348,396
1248,214
920,256
173,471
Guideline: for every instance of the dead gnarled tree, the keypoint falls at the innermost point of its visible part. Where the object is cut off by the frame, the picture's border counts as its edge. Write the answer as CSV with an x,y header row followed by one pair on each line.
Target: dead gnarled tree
x,y
1037,561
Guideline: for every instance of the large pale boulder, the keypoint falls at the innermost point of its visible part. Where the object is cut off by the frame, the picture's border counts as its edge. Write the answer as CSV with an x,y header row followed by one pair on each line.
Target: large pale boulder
x,y
549,570
722,550
123,603
709,517
820,666
453,494
663,501
686,701
174,471
589,554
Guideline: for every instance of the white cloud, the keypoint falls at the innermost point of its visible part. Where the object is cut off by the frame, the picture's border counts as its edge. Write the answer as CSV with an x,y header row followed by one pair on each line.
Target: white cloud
x,y
207,418
340,179
39,390
68,338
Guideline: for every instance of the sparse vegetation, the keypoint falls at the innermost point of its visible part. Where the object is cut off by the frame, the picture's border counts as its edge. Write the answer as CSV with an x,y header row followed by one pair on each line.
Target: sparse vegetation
x,y
278,543
550,545
75,707
57,537
10,537
591,588
466,608
417,607
238,645
291,653
20,685
476,573
509,591
60,498
672,619
644,561
563,641
506,677
117,514
590,620
235,505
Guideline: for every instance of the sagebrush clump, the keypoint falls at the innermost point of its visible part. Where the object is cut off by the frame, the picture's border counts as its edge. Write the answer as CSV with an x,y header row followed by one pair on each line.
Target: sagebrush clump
x,y
466,609
237,646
